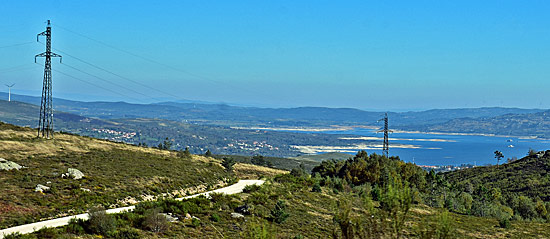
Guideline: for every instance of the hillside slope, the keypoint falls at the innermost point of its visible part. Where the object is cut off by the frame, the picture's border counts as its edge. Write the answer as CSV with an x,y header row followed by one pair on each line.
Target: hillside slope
x,y
527,176
115,174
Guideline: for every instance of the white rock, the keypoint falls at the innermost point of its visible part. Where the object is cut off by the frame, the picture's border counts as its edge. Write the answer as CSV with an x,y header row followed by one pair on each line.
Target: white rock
x,y
41,188
9,165
169,217
74,173
236,215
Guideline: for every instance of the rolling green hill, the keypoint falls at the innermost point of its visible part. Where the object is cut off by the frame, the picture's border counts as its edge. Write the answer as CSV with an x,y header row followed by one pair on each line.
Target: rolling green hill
x,y
524,177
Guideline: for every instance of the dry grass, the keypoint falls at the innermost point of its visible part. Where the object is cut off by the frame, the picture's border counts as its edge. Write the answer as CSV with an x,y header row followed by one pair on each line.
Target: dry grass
x,y
250,171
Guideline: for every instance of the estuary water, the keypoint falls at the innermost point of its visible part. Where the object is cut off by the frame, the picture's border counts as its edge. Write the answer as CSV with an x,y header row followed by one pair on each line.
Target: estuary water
x,y
449,149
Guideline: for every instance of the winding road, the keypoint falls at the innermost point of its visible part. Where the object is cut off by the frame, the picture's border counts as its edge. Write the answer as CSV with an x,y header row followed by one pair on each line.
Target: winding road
x,y
28,228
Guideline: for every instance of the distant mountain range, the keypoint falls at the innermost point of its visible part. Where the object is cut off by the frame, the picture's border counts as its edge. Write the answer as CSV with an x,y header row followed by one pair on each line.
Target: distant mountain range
x,y
223,114
198,137
531,124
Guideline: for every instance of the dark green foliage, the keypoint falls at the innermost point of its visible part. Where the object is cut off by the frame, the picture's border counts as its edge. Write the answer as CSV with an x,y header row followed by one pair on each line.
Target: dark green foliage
x,y
127,233
185,153
374,169
215,217
278,213
17,235
498,156
316,187
193,205
76,226
251,188
261,161
166,144
504,222
100,222
228,163
47,233
195,222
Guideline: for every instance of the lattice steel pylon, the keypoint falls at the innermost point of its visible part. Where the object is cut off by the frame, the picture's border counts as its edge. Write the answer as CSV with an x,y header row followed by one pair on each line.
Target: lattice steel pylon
x,y
386,146
45,122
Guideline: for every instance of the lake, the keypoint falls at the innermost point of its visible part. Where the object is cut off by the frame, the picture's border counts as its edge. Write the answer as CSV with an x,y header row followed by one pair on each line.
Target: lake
x,y
447,149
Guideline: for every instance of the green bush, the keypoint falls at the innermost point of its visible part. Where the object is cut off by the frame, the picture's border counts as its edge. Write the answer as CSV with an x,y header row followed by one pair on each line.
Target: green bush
x,y
258,198
127,233
17,235
100,222
47,233
195,222
76,226
278,213
504,222
251,188
215,217
316,187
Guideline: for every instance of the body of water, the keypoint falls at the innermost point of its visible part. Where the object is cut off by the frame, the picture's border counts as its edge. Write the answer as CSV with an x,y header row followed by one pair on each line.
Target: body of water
x,y
445,149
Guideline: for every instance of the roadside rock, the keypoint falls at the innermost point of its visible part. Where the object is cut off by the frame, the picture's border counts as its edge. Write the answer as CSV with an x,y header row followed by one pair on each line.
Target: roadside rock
x,y
245,209
73,173
41,188
9,165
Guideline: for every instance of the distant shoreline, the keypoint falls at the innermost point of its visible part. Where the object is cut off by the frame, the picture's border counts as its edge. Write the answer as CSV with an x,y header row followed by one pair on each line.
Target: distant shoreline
x,y
349,128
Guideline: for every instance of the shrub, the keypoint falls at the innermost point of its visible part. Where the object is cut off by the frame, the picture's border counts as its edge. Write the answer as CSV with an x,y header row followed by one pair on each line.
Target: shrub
x,y
215,217
100,222
127,233
195,222
444,227
47,232
504,222
17,235
259,231
526,207
155,221
228,163
75,226
257,198
316,187
251,188
278,213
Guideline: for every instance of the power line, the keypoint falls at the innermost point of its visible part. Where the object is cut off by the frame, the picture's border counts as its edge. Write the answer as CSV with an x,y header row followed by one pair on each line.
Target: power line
x,y
107,81
155,62
18,44
117,75
98,86
92,84
18,68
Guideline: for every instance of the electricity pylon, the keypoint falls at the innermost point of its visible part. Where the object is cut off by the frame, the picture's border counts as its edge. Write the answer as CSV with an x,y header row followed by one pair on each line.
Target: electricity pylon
x,y
45,122
386,146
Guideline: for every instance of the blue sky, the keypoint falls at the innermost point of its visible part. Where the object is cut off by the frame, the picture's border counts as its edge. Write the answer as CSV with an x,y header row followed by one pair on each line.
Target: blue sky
x,y
383,55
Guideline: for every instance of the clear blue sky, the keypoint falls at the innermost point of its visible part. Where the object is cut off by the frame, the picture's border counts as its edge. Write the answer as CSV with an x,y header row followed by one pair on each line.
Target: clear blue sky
x,y
364,54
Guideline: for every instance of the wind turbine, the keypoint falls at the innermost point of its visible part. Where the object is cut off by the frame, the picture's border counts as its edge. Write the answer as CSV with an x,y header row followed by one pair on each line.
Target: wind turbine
x,y
9,91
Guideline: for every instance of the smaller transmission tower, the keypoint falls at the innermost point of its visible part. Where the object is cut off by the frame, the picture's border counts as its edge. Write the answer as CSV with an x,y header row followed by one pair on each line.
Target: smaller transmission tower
x,y
386,147
45,122
9,91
